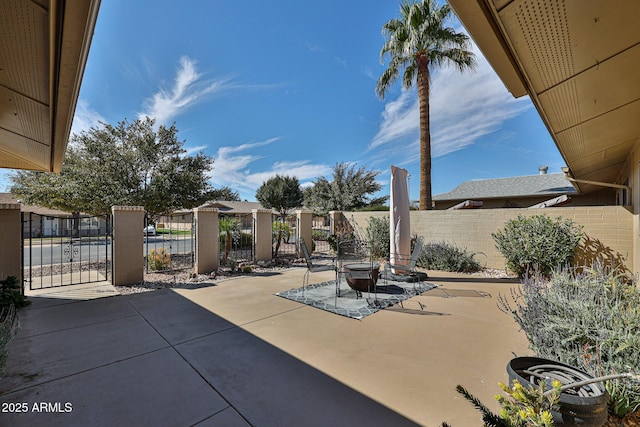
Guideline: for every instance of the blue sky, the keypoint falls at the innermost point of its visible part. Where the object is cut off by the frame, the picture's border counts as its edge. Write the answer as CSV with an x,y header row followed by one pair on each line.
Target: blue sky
x,y
288,87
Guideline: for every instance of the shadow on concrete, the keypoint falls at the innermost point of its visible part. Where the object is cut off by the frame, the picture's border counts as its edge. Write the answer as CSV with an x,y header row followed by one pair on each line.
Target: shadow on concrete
x,y
156,358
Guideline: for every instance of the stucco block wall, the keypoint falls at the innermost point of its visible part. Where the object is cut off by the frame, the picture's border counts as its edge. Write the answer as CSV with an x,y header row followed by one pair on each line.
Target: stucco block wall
x,y
609,228
10,257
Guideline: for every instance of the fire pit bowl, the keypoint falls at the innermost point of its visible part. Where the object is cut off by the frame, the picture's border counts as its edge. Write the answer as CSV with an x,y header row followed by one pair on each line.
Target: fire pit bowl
x,y
580,406
363,276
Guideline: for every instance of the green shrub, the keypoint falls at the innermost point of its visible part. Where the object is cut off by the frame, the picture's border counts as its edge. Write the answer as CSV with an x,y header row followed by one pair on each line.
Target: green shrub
x,y
588,319
320,235
239,240
334,239
377,236
447,257
11,294
537,243
281,231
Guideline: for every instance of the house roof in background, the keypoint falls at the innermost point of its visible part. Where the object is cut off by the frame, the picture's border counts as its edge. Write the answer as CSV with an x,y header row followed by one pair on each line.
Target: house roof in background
x,y
229,207
543,185
10,198
578,62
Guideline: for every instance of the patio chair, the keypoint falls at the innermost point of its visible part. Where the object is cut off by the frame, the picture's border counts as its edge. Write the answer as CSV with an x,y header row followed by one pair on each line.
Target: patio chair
x,y
410,267
311,267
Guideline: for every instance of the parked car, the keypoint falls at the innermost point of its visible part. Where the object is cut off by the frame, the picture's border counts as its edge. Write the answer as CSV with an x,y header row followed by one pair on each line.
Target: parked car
x,y
149,230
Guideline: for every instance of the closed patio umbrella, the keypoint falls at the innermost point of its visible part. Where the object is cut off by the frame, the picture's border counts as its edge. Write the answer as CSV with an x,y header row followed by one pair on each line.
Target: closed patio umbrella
x,y
400,230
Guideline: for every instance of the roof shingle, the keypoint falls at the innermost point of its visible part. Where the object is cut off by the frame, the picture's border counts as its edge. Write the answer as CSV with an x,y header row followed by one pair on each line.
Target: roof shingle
x,y
552,184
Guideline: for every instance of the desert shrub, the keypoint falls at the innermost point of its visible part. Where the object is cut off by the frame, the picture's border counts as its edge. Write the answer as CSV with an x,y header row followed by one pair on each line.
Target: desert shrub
x,y
8,328
588,319
377,237
11,294
319,234
447,257
537,243
11,299
159,259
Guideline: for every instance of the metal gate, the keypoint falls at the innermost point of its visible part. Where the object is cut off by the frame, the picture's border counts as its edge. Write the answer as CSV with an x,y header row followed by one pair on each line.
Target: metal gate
x,y
284,236
65,250
236,239
169,242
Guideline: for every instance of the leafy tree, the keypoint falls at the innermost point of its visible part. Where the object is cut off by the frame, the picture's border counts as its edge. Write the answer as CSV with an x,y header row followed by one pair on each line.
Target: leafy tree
x,y
131,163
416,42
281,193
349,189
224,193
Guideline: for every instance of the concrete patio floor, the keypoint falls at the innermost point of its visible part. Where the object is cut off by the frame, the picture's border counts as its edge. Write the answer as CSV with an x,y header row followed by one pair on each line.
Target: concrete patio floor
x,y
235,354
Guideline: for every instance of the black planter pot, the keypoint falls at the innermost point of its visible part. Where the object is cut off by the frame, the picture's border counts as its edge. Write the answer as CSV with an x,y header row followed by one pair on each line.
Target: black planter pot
x,y
586,406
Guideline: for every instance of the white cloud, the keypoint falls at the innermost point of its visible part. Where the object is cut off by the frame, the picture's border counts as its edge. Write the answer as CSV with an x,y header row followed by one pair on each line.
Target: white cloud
x,y
188,90
85,117
463,108
194,150
231,168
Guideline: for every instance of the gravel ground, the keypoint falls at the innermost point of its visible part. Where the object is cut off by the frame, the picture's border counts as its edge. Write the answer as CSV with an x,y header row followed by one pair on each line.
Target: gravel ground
x,y
182,279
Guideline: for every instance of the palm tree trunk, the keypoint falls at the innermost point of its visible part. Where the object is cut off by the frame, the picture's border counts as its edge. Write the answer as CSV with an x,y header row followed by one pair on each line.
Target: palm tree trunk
x,y
425,134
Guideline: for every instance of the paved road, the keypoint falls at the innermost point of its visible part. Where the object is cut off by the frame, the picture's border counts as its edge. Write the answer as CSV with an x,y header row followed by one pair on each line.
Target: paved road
x,y
52,252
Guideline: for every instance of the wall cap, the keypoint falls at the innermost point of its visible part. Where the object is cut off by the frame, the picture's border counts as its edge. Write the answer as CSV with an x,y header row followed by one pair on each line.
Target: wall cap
x,y
10,206
127,208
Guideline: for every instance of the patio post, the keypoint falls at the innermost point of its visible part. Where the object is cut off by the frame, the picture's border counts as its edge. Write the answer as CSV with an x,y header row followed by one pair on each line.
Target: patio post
x,y
127,245
262,234
335,218
207,240
10,248
305,225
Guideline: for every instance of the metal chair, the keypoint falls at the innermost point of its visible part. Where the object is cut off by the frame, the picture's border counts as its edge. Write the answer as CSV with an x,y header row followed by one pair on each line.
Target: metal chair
x,y
410,267
311,267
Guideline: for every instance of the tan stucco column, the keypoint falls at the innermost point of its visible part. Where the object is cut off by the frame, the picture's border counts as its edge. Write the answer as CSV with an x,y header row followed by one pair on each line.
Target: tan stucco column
x,y
262,234
10,230
128,242
305,224
207,240
335,221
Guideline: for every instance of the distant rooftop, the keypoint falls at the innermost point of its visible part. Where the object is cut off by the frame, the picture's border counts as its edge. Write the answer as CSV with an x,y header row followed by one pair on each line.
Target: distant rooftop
x,y
552,184
232,207
39,210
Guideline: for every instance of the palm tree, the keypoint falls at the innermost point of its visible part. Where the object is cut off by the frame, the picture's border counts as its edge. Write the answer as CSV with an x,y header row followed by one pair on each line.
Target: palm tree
x,y
417,41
